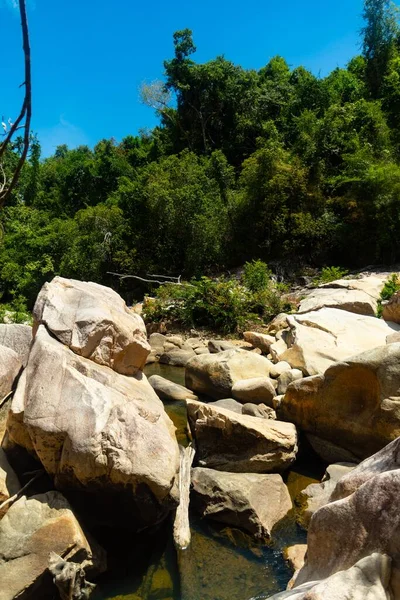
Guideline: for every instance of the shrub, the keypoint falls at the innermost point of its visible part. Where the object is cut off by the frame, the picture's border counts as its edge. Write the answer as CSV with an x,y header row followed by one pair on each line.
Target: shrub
x,y
256,276
329,274
392,285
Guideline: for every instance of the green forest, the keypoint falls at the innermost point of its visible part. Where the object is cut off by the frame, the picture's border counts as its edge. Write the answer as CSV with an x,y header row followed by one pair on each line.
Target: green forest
x,y
277,164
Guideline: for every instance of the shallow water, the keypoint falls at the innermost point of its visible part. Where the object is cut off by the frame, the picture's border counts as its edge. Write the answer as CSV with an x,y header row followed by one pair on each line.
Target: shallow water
x,y
221,563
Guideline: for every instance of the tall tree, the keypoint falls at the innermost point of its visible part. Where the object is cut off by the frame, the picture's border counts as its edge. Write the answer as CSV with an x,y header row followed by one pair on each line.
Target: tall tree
x,y
379,34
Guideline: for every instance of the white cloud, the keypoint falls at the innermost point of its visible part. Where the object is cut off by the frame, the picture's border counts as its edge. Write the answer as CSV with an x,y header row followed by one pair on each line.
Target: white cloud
x,y
62,132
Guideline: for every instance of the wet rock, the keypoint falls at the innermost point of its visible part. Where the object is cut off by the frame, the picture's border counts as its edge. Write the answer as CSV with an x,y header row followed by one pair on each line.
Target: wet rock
x,y
167,390
259,390
215,374
94,322
353,406
249,501
236,443
31,529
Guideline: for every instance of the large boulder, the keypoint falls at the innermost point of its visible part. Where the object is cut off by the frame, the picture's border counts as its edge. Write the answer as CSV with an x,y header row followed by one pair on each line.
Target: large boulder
x,y
94,322
369,579
258,390
355,301
262,341
96,431
215,374
168,390
31,529
354,406
227,441
391,309
319,338
343,532
177,357
249,501
18,338
10,366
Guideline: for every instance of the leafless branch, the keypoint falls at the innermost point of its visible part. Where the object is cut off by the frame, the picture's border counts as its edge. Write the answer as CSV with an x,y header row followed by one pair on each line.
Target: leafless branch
x,y
26,110
122,276
21,491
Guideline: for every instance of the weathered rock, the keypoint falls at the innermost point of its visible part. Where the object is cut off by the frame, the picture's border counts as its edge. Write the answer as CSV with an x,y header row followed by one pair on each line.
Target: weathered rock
x,y
277,401
249,501
320,338
343,532
369,283
157,342
178,357
236,443
369,579
279,368
354,405
391,309
259,390
278,349
96,430
94,322
167,390
355,301
387,459
278,324
259,340
9,484
286,378
260,411
69,578
393,338
152,358
10,366
215,374
18,338
202,350
295,556
176,340
318,494
31,529
229,404
215,346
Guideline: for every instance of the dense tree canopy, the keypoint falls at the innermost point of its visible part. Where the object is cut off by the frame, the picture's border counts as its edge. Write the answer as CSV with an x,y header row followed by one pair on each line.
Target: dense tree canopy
x,y
276,164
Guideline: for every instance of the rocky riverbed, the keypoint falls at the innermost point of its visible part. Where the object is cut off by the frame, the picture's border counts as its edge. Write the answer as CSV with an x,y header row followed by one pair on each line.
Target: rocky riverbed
x,y
90,474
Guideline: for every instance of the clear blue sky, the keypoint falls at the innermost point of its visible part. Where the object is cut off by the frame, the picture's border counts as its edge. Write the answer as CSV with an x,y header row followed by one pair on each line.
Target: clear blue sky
x,y
89,57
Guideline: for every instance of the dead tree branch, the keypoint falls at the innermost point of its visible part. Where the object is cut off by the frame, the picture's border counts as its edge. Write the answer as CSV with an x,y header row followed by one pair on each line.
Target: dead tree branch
x,y
178,282
24,118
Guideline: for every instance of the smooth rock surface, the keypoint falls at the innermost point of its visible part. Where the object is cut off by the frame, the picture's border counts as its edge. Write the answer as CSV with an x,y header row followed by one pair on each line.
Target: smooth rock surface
x,y
168,390
279,368
249,501
260,411
215,346
215,374
320,338
95,430
10,366
236,443
355,405
31,529
258,390
355,301
177,357
94,322
286,378
262,341
229,404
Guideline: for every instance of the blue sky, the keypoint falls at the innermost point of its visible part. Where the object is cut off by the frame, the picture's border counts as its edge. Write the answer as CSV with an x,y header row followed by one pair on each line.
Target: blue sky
x,y
89,57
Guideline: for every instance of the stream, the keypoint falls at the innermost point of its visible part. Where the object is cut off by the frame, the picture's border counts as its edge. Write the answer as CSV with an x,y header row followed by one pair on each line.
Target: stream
x,y
221,563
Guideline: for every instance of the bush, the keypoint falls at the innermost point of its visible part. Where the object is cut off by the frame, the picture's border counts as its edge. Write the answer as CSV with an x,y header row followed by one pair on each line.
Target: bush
x,y
224,305
15,312
392,285
256,276
329,274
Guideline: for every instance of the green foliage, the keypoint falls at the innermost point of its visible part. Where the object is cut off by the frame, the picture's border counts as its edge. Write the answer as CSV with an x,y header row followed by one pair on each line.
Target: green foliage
x,y
15,312
256,276
329,274
392,285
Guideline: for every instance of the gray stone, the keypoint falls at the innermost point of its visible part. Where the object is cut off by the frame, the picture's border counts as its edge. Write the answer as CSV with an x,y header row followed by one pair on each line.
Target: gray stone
x,y
167,390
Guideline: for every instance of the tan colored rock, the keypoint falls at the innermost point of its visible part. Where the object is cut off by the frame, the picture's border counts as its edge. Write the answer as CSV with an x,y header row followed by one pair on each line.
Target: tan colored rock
x,y
10,366
393,338
236,443
355,405
215,374
286,378
215,346
168,390
176,340
259,340
369,579
391,309
343,532
202,350
18,338
369,283
95,430
94,322
355,301
318,494
258,390
157,342
278,349
320,338
277,324
229,404
9,483
295,556
31,529
249,501
258,410
279,368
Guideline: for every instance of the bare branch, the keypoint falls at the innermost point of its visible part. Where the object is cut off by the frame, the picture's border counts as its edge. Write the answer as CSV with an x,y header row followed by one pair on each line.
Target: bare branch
x,y
122,276
21,491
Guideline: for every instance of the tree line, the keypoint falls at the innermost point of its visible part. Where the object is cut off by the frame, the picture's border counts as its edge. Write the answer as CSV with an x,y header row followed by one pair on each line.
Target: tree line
x,y
275,164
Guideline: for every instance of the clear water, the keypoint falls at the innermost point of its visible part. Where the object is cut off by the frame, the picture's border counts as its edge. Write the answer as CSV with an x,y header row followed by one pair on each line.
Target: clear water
x,y
220,564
